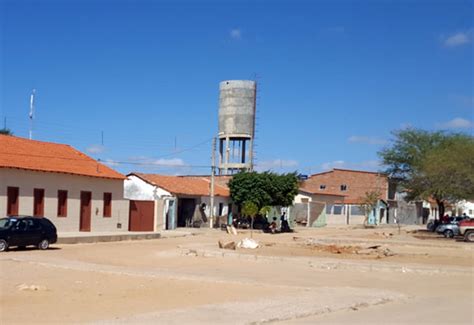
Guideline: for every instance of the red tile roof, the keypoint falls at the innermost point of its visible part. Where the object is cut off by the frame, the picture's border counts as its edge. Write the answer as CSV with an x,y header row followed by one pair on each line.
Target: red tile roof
x,y
184,185
42,156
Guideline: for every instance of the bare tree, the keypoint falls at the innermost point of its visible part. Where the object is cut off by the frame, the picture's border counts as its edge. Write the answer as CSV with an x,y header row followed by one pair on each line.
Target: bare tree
x,y
369,203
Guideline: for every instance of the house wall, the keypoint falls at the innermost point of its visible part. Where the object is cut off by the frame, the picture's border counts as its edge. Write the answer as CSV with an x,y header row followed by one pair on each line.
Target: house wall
x,y
217,200
466,207
357,182
302,198
137,189
27,181
329,201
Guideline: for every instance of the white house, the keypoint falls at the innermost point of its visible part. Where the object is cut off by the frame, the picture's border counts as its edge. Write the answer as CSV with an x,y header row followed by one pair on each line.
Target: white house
x,y
56,181
179,201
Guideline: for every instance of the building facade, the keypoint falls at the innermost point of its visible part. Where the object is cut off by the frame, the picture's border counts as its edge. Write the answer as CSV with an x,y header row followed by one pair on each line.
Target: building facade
x,y
179,201
56,181
344,190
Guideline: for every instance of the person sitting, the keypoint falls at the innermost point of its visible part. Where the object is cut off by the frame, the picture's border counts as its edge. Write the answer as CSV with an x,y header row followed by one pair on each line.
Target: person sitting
x,y
273,226
445,218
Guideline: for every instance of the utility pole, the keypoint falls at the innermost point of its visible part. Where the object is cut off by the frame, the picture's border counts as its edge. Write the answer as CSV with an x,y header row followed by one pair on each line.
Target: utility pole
x,y
213,172
31,115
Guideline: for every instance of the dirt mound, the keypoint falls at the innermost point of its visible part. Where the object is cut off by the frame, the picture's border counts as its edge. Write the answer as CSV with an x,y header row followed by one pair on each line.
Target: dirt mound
x,y
376,251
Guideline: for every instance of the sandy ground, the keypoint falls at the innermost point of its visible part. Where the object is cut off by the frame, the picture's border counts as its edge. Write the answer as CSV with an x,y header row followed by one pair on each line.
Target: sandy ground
x,y
311,276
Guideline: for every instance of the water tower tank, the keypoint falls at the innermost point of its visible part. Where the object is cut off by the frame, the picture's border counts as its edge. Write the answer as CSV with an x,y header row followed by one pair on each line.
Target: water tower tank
x,y
236,125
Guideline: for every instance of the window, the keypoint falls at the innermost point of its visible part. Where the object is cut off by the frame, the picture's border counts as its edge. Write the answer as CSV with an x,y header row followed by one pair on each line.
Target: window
x,y
322,187
337,209
107,204
356,210
38,203
328,208
343,187
62,203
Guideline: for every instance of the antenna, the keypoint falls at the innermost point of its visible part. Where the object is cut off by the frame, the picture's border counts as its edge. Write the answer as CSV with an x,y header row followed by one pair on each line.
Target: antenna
x,y
32,111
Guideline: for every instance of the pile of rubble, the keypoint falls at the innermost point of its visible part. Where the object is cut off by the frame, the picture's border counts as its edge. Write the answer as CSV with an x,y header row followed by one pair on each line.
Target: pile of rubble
x,y
375,250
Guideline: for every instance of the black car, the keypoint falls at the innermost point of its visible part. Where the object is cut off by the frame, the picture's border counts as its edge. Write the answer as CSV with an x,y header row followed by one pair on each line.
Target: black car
x,y
24,231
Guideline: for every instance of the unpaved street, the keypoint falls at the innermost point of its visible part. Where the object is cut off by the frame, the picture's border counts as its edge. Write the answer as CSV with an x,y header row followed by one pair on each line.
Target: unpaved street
x,y
331,275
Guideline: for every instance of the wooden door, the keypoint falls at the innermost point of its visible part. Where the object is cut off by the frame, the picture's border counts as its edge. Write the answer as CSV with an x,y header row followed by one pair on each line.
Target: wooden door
x,y
38,202
85,214
142,215
12,201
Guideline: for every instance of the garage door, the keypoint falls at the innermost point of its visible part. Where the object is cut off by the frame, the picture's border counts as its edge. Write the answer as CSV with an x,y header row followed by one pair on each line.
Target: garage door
x,y
142,214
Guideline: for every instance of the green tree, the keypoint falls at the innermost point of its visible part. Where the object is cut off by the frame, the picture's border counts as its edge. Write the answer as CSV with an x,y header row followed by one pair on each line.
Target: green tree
x,y
6,131
263,189
427,164
250,209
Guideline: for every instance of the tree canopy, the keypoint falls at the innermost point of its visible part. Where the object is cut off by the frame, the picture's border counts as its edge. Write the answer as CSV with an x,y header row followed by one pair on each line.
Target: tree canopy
x,y
6,131
264,189
436,165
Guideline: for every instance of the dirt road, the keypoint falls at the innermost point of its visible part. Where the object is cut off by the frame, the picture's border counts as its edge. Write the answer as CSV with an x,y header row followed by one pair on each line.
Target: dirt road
x,y
330,275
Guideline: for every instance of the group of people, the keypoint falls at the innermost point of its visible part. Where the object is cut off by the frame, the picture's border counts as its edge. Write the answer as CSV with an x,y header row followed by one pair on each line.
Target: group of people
x,y
284,226
447,219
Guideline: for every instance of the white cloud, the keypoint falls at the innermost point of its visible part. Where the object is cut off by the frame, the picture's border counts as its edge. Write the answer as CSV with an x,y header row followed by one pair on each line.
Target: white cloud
x,y
174,162
276,164
366,139
235,34
457,39
148,161
456,123
370,165
95,149
110,162
333,164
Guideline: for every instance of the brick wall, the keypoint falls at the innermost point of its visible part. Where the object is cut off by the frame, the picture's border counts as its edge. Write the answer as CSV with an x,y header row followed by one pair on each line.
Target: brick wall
x,y
357,182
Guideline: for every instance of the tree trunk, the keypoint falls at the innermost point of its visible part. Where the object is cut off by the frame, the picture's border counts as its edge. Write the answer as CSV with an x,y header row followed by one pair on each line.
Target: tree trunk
x,y
251,227
440,208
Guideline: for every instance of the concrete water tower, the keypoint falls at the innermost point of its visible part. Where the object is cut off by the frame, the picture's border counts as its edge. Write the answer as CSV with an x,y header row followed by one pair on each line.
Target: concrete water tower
x,y
236,125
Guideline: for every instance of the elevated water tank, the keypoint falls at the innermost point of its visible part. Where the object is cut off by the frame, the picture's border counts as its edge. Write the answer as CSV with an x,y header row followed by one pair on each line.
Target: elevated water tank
x,y
237,107
236,125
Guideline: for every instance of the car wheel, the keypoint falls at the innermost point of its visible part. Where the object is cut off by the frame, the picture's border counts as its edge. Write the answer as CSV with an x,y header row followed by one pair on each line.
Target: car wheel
x,y
3,245
469,236
44,244
448,233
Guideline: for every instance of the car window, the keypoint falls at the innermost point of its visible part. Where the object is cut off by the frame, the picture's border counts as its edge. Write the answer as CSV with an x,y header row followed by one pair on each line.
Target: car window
x,y
34,224
6,223
21,225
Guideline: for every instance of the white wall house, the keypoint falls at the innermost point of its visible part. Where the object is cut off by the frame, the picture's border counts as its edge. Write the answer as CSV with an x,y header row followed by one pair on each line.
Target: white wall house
x,y
56,181
179,201
466,207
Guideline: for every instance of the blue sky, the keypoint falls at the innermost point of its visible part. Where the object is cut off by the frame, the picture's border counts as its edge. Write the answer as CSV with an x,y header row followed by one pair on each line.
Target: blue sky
x,y
334,77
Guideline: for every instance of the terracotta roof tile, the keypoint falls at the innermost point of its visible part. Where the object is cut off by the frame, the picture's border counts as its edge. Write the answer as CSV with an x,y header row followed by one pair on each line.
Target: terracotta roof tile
x,y
42,156
184,185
